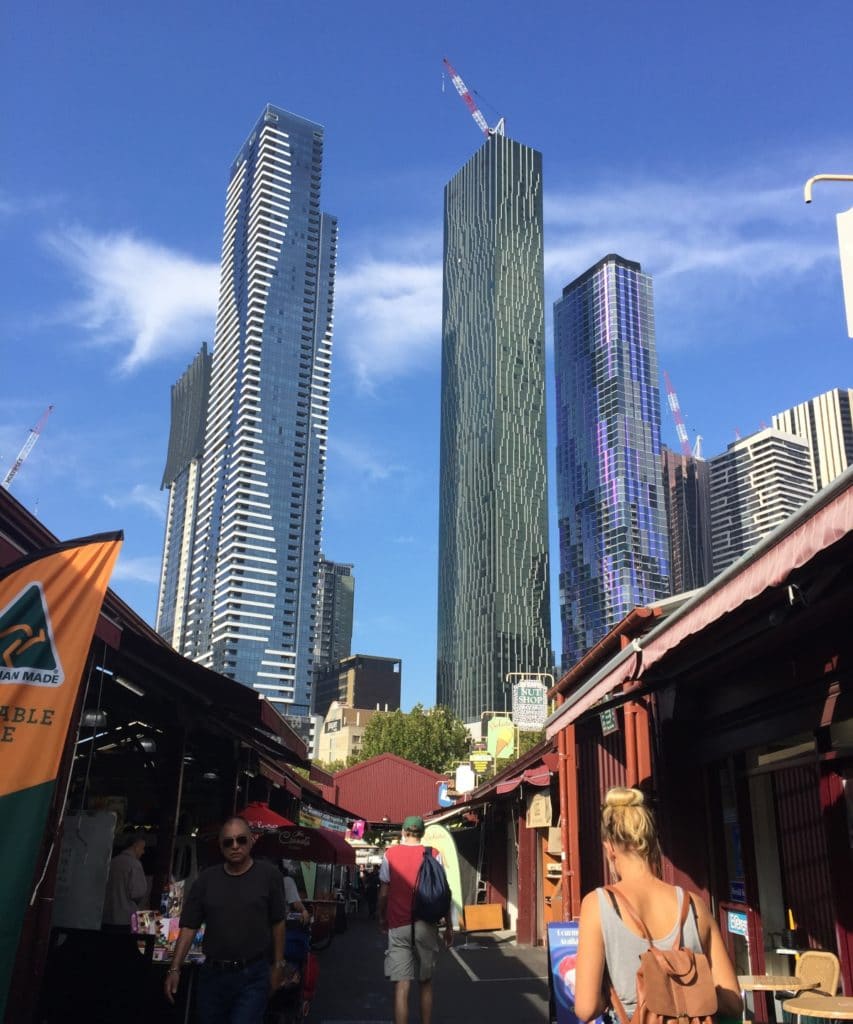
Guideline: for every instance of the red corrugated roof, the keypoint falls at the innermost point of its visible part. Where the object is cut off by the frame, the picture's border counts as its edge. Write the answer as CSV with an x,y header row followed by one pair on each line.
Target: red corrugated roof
x,y
385,788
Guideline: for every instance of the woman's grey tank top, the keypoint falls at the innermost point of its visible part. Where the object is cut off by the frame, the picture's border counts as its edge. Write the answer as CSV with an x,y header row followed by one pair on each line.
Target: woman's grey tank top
x,y
623,949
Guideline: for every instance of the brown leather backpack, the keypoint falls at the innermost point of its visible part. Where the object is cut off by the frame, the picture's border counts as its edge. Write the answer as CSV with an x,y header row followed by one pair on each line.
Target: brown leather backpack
x,y
674,986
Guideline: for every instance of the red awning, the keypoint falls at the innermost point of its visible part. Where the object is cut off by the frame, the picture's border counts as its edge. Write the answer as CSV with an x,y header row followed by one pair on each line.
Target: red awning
x,y
259,815
793,545
538,776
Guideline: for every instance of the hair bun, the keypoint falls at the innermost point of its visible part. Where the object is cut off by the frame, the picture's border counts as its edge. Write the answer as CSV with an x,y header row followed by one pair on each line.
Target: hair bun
x,y
619,796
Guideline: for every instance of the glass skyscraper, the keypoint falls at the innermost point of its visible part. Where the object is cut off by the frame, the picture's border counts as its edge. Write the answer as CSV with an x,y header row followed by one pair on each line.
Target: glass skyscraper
x,y
256,543
493,589
614,544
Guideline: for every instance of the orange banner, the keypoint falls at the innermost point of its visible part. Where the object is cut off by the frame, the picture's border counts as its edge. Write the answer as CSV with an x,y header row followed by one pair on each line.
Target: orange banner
x,y
49,606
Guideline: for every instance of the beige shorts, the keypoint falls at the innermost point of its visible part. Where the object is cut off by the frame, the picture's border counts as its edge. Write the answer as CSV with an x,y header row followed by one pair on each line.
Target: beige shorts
x,y
401,964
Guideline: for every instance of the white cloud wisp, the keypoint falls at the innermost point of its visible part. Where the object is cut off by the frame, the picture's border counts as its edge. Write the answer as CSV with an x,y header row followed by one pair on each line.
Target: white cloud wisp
x,y
140,295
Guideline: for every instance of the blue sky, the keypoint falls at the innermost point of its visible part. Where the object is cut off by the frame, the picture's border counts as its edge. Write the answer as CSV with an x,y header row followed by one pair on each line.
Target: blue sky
x,y
678,135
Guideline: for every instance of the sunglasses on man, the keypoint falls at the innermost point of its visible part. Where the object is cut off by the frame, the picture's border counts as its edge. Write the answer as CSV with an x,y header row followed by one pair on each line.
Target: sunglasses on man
x,y
227,841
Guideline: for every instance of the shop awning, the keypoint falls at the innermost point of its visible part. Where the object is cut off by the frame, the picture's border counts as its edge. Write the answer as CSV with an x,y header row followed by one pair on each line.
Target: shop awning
x,y
820,523
539,776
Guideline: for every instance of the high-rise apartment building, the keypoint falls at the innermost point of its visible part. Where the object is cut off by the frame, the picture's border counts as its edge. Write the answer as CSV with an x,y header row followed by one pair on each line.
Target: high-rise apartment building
x,y
493,600
335,596
614,543
756,483
182,477
686,481
826,423
256,543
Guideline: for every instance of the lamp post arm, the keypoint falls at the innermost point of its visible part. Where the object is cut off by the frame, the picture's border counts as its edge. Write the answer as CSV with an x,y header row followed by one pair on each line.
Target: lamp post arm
x,y
807,189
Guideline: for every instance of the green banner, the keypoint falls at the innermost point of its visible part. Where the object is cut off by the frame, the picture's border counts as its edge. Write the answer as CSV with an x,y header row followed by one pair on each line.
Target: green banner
x,y
24,813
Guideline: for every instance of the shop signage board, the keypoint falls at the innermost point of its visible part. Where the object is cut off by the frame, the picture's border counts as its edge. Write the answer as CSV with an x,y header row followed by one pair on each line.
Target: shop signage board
x,y
500,737
609,722
529,705
562,958
736,922
480,760
466,780
737,892
49,607
444,797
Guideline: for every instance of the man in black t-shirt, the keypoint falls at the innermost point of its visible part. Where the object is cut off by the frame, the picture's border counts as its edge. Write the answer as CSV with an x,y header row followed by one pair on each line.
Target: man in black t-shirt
x,y
241,904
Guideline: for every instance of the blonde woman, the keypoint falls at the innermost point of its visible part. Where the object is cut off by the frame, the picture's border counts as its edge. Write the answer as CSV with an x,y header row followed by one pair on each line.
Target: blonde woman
x,y
610,943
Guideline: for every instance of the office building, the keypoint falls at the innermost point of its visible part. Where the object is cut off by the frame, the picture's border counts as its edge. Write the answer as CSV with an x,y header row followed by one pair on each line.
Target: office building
x,y
182,477
614,542
343,732
826,423
686,481
256,544
756,483
360,681
493,590
335,595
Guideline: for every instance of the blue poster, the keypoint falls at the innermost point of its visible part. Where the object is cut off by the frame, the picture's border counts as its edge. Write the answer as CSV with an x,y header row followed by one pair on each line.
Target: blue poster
x,y
563,954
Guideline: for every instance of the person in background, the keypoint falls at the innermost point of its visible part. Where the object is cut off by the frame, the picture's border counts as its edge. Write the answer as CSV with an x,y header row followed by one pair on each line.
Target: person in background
x,y
241,904
291,892
127,886
371,890
608,938
406,961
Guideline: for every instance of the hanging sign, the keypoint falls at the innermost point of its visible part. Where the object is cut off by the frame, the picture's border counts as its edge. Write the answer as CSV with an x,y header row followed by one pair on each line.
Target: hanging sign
x,y
500,737
529,705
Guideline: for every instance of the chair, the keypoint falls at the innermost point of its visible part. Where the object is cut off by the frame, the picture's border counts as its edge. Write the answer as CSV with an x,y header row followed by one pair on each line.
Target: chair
x,y
819,970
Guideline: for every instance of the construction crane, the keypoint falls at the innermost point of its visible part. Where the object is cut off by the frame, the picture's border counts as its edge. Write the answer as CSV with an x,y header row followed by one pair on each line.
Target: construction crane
x,y
471,103
675,408
29,444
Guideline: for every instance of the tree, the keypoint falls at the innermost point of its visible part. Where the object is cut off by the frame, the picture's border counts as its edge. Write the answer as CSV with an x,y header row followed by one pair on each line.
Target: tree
x,y
434,738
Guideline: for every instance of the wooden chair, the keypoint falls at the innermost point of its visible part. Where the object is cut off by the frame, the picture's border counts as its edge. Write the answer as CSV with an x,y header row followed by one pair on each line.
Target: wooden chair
x,y
819,970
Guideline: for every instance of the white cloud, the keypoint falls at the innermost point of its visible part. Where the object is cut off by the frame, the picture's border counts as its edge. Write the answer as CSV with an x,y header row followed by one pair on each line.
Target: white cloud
x,y
145,569
362,460
144,297
389,316
722,228
144,495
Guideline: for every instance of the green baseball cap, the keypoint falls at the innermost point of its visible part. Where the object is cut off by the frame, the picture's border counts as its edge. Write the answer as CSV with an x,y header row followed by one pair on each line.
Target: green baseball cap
x,y
414,824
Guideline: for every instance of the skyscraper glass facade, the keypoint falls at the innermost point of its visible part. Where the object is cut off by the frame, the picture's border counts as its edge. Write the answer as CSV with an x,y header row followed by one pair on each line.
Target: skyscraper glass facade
x,y
614,544
256,544
493,590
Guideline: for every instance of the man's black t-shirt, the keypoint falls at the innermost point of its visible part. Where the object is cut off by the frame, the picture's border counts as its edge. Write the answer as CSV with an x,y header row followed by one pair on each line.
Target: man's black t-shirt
x,y
238,911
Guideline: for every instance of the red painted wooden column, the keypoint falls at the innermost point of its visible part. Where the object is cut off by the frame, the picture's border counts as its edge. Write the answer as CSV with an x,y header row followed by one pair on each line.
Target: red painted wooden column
x,y
525,928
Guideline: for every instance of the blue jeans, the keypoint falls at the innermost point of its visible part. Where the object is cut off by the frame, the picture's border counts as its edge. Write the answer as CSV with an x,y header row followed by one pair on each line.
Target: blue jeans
x,y
233,997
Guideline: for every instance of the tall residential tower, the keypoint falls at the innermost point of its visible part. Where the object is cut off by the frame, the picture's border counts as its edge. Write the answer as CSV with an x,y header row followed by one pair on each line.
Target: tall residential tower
x,y
256,544
493,600
614,544
826,423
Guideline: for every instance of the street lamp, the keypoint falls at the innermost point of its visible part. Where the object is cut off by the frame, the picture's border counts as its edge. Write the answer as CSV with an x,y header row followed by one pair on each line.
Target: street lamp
x,y
844,222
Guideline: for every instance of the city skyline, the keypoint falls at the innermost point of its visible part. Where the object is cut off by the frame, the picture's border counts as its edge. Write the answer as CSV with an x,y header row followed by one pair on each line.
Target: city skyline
x,y
111,287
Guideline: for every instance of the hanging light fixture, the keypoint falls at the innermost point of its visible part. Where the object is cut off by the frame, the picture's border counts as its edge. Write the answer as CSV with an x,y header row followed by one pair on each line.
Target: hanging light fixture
x,y
148,745
94,718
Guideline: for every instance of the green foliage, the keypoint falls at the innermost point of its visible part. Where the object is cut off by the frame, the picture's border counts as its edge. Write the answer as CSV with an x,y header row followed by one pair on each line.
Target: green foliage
x,y
433,738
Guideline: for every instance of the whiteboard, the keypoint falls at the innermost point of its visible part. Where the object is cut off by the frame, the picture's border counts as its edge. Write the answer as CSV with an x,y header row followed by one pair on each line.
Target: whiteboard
x,y
84,863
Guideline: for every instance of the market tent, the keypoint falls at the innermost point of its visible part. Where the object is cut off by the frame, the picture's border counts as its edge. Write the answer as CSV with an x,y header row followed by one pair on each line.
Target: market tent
x,y
296,842
259,815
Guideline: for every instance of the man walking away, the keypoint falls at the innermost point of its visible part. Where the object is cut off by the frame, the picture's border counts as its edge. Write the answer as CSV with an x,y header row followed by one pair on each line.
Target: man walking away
x,y
405,961
241,904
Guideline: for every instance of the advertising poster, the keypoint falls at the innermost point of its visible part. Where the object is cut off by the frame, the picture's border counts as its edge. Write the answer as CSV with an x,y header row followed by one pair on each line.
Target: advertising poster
x,y
562,957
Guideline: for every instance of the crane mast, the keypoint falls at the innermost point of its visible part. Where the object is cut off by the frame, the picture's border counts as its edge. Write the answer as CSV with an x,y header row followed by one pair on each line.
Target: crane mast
x,y
28,446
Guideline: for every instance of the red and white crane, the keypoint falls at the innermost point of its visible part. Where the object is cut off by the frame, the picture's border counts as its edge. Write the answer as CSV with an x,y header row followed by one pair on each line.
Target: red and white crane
x,y
29,444
471,103
680,428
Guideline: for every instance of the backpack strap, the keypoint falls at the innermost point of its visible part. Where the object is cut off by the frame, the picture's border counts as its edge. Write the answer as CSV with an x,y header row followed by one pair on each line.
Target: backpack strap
x,y
616,1004
635,917
686,904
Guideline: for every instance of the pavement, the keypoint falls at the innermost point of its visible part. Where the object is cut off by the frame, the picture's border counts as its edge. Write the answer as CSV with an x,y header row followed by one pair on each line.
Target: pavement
x,y
486,977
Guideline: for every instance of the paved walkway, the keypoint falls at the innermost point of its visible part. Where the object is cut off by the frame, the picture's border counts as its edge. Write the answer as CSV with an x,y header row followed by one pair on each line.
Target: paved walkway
x,y
487,979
